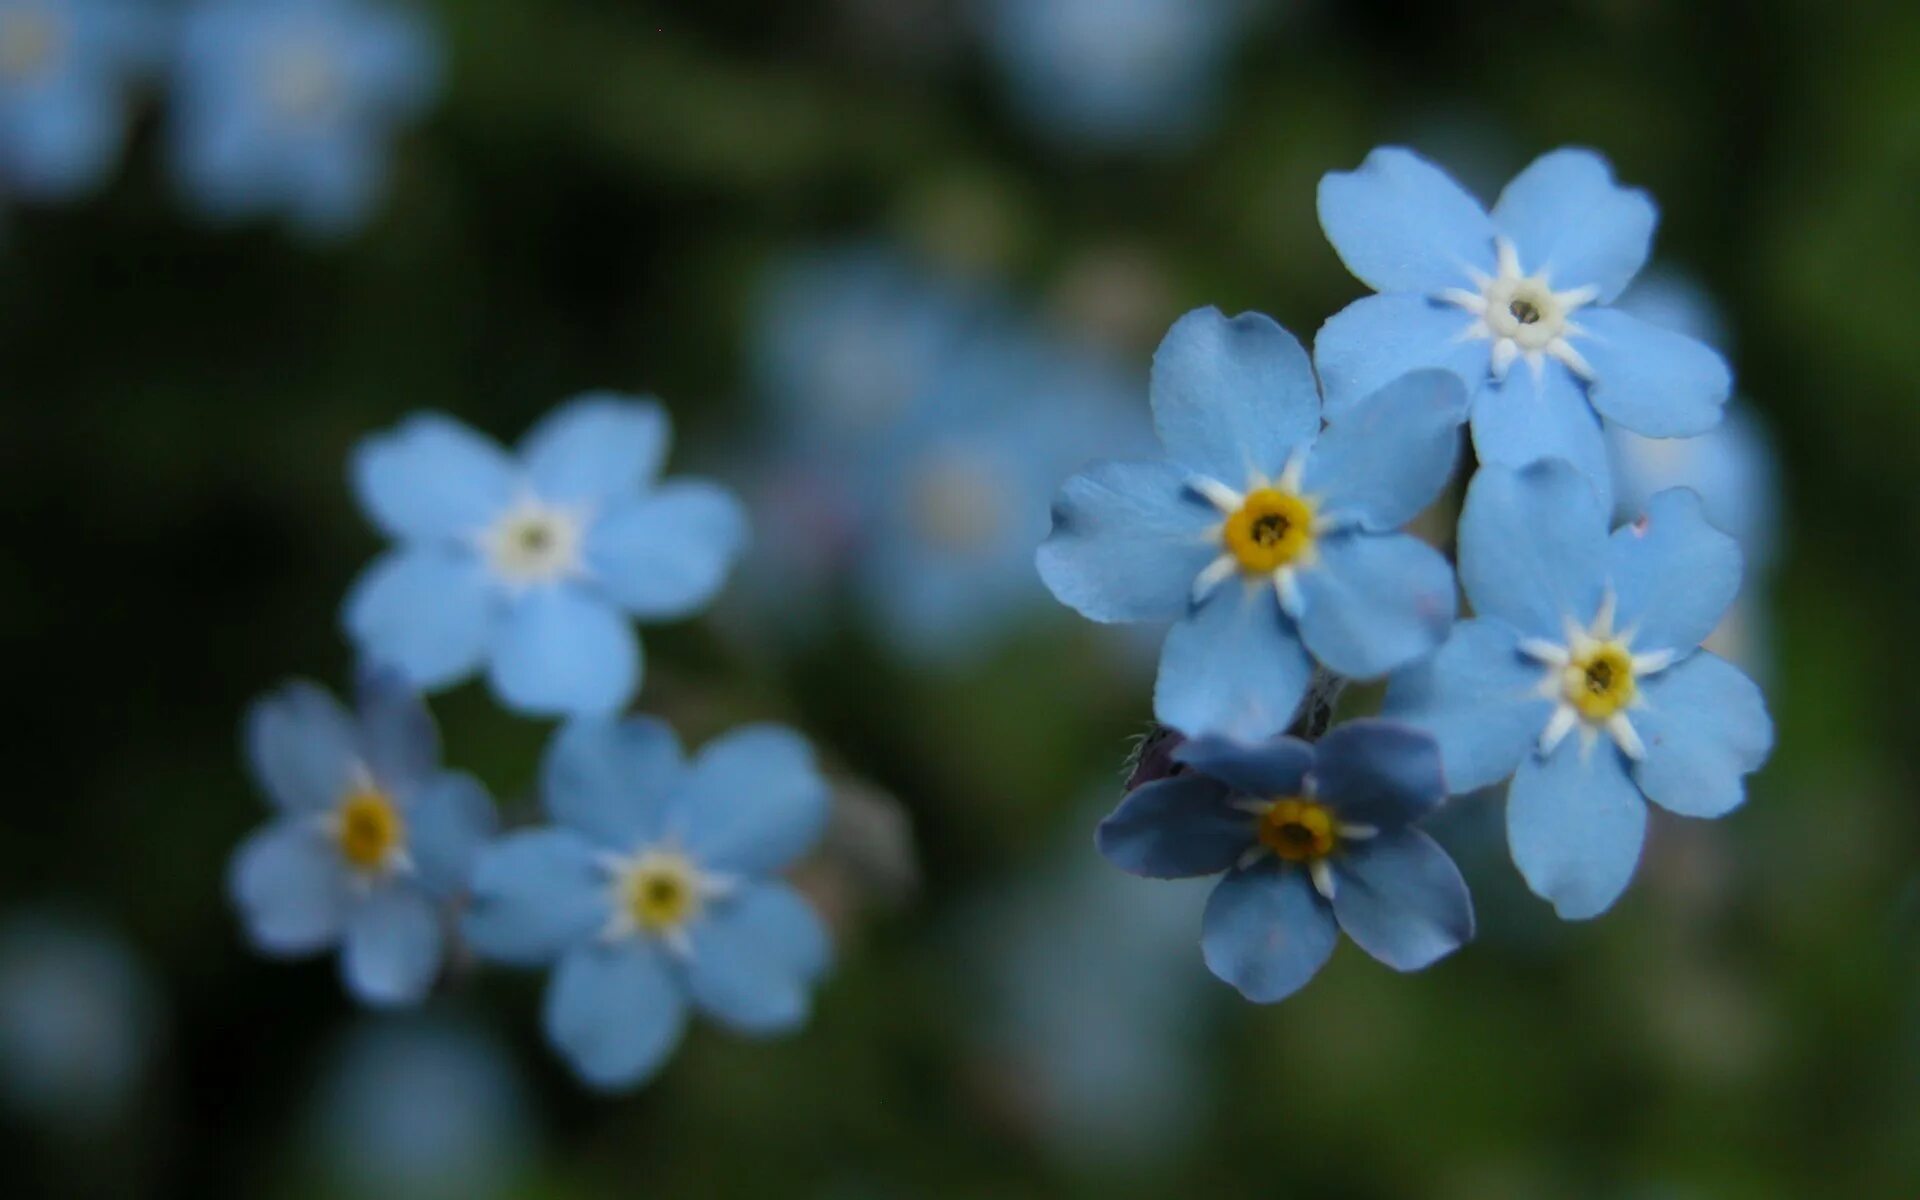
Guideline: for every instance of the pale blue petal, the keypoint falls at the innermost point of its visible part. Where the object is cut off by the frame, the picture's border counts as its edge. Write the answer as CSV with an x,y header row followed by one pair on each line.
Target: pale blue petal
x,y
1652,380
64,142
1375,602
334,181
1377,339
1705,726
1234,666
426,611
391,952
1379,773
1232,398
534,894
611,779
1277,767
1573,223
596,446
615,1012
1401,899
1128,540
1384,461
1176,828
396,732
1674,575
1479,697
1401,224
754,957
448,821
303,747
752,801
1266,931
1533,548
431,478
666,554
1575,822
1531,417
561,651
287,882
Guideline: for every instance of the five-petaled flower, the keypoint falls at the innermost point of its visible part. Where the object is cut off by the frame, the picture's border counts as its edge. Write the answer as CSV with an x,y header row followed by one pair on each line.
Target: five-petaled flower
x,y
530,565
1581,676
651,891
65,69
1263,536
1313,839
1516,301
371,841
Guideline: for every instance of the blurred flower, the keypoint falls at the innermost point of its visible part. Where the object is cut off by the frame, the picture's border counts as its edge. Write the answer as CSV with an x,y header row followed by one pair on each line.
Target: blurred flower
x,y
66,67
653,890
289,105
370,840
79,1020
1266,539
1312,838
1531,282
1581,633
421,1108
532,565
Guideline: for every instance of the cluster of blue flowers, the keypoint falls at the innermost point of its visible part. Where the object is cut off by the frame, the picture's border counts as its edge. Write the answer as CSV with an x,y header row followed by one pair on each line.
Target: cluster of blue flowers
x,y
274,106
1271,533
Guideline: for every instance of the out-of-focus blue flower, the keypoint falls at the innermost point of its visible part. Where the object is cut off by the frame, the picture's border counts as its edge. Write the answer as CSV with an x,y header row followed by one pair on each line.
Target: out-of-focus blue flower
x,y
1313,839
423,1108
79,1019
289,105
1265,538
66,67
370,841
1581,633
653,892
532,564
1531,283
1113,73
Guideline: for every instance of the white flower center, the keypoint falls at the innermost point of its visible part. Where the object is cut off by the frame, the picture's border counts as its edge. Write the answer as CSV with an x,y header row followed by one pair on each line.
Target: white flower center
x,y
954,503
1593,681
535,543
1523,316
31,42
658,892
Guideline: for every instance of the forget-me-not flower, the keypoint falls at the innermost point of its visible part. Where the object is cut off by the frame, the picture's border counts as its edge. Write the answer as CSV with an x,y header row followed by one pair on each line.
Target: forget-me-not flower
x,y
1517,301
1581,676
1313,838
531,564
289,105
370,842
1266,538
653,892
66,67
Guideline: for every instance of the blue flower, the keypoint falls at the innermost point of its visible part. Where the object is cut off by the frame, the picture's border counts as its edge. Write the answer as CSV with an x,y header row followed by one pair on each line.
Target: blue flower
x,y
289,105
1579,633
370,841
1528,285
652,892
1313,839
65,69
1266,538
530,566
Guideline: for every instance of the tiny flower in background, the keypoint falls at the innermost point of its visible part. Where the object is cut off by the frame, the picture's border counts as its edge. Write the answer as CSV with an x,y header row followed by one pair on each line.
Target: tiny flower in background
x,y
1266,539
66,68
1580,676
532,565
653,892
370,842
1313,839
1517,302
289,105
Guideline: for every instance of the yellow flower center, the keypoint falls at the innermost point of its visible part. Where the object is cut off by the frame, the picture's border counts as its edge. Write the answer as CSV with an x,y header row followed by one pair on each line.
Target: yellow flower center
x,y
1270,530
1298,830
30,42
661,892
1599,683
368,828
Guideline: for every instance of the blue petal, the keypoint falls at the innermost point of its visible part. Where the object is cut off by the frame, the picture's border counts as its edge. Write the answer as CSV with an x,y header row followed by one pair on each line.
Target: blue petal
x,y
611,779
1379,773
396,732
1127,541
1652,380
1232,399
1529,417
561,651
396,61
1377,339
596,446
1277,767
1573,223
535,893
1575,822
615,1012
1266,931
303,748
1674,575
1375,602
1705,726
449,820
431,477
752,801
754,957
1402,900
1533,547
64,141
287,883
391,951
425,610
1176,828
1234,666
334,182
1480,699
1401,224
1384,461
665,554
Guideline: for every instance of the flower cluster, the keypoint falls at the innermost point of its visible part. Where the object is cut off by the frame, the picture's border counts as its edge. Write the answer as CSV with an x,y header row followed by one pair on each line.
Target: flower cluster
x,y
1272,533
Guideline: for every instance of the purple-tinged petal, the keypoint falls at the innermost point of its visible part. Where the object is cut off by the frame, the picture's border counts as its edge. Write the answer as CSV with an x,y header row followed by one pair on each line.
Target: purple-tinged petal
x,y
1379,773
1401,899
1176,828
1277,767
1266,931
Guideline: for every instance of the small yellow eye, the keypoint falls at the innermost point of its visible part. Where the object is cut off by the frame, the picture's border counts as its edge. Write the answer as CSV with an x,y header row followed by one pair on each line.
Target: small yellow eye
x,y
1600,682
662,892
368,829
1270,530
1298,830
